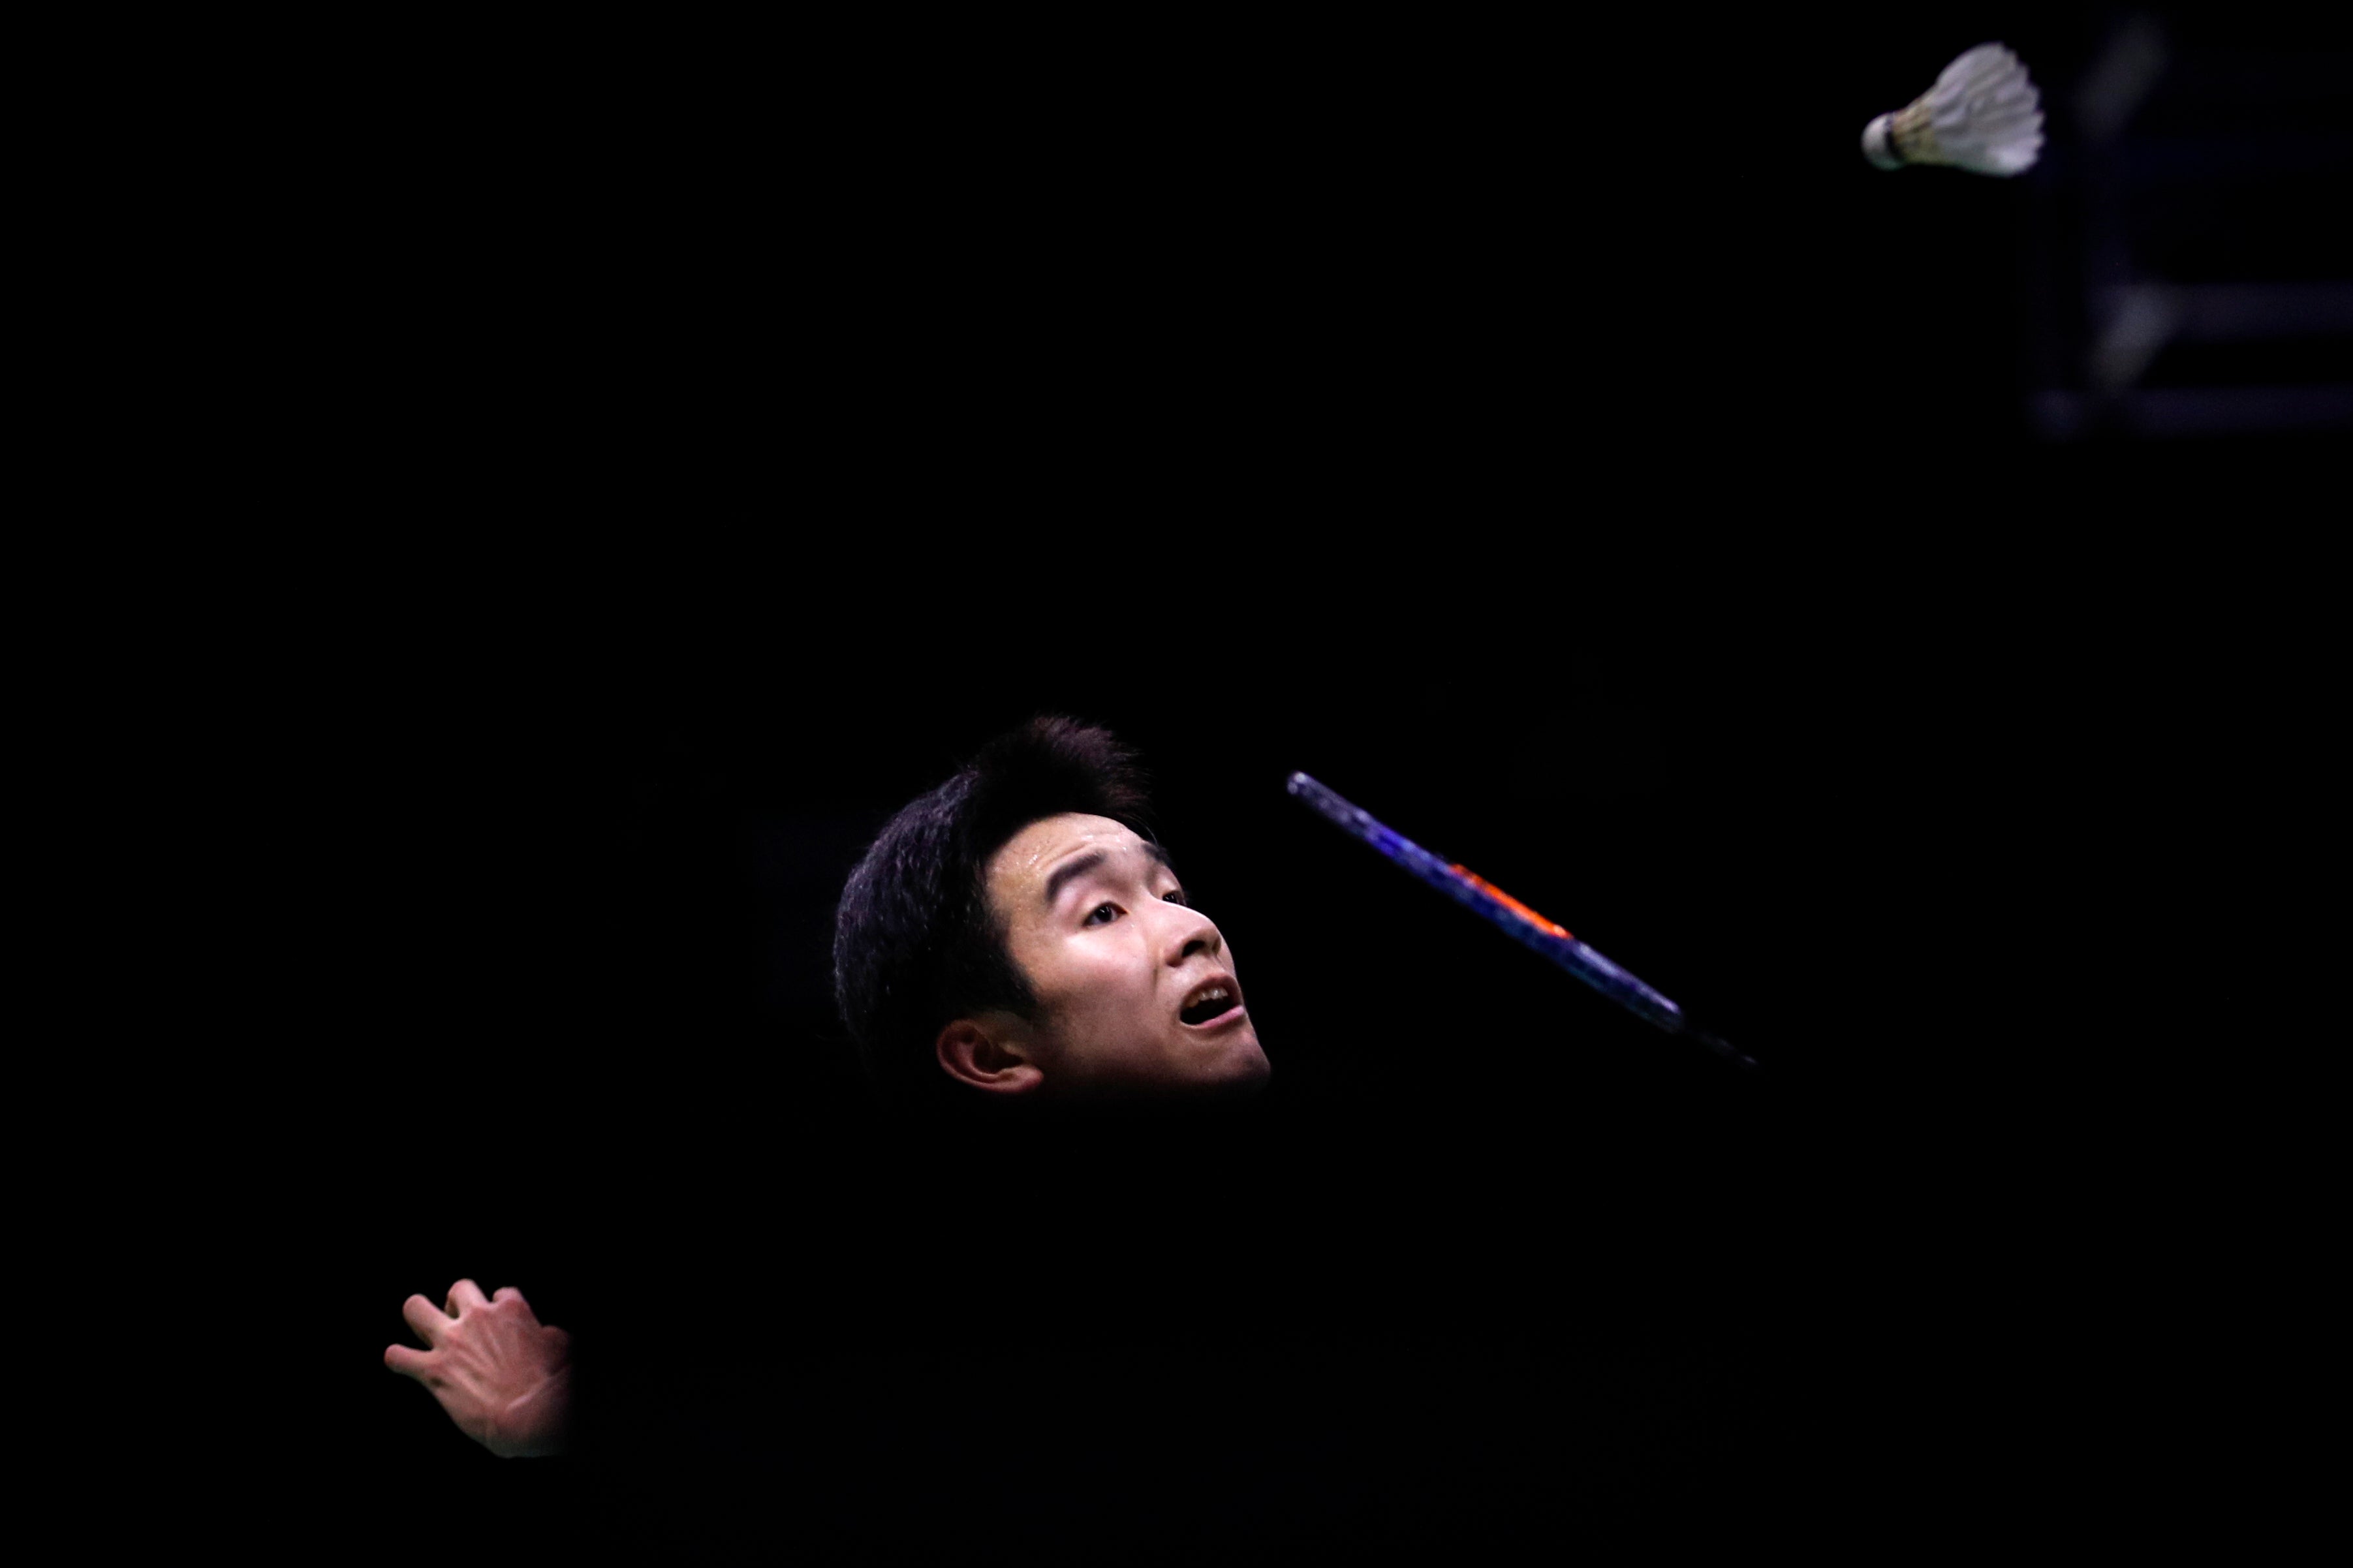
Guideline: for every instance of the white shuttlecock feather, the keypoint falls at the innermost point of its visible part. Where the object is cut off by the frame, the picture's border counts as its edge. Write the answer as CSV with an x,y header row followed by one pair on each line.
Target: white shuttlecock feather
x,y
1983,115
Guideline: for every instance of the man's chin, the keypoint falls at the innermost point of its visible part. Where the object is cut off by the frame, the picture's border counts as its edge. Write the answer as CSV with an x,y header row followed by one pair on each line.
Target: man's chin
x,y
1240,1078
1251,1074
1240,1073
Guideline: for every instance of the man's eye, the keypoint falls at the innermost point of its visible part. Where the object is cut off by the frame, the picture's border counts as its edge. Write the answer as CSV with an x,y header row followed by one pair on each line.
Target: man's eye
x,y
1102,914
1176,895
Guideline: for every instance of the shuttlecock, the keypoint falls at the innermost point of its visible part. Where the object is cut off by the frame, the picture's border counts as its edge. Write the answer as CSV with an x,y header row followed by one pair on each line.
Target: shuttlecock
x,y
1983,115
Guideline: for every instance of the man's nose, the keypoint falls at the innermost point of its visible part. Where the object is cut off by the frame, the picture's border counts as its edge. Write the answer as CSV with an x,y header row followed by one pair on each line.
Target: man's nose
x,y
1192,933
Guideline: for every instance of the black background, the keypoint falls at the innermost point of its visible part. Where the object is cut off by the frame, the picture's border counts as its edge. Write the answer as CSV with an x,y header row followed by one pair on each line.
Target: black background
x,y
1607,482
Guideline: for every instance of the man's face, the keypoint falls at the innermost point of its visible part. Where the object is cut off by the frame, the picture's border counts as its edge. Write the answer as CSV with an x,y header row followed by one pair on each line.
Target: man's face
x,y
1136,989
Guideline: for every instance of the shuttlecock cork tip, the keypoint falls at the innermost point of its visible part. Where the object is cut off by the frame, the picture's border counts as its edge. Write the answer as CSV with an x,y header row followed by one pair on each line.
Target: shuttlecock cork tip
x,y
1878,143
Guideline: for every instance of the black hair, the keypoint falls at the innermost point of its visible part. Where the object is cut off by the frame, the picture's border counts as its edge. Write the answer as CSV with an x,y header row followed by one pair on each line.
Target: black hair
x,y
916,944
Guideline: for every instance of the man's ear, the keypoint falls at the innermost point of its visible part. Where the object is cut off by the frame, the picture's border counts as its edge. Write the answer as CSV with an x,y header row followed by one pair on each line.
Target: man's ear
x,y
990,1054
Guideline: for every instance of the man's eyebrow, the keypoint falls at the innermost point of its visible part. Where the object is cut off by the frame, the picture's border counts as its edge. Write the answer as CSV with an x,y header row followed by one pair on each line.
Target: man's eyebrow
x,y
1068,870
1062,876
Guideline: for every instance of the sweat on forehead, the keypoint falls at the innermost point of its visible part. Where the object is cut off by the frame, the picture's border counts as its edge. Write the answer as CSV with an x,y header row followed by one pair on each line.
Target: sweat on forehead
x,y
1047,856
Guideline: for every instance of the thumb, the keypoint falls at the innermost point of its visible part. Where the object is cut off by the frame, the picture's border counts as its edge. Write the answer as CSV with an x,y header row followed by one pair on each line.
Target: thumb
x,y
415,1363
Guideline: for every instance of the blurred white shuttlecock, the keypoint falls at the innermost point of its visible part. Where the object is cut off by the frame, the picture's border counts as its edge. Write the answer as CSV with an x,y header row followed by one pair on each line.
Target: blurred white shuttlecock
x,y
1983,115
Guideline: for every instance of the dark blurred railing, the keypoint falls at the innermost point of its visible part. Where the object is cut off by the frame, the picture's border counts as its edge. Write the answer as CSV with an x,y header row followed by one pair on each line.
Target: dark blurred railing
x,y
2199,285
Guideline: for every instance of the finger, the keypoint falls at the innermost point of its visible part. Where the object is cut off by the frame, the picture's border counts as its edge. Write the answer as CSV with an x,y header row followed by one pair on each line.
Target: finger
x,y
409,1363
509,1293
465,1293
425,1319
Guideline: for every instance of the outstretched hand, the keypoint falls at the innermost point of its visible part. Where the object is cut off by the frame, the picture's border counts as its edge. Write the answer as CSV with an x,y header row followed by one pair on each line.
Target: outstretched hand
x,y
504,1377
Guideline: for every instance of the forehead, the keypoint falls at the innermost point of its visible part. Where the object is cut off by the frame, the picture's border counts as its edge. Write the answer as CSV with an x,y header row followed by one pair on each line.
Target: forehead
x,y
1018,872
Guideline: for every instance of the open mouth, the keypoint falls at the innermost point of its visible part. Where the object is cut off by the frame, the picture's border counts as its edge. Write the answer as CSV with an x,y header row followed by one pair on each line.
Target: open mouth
x,y
1209,1001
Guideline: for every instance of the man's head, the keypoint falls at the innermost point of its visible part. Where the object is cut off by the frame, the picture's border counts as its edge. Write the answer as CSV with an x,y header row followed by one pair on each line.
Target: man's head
x,y
1017,934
